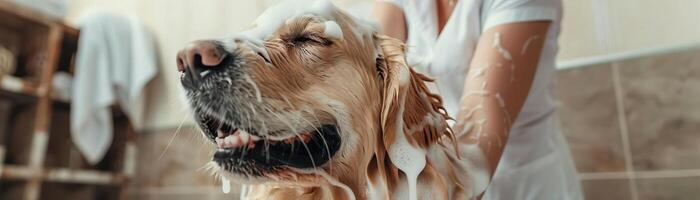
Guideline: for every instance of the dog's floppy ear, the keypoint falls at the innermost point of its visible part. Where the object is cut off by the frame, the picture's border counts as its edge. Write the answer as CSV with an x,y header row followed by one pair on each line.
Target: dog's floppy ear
x,y
408,107
412,118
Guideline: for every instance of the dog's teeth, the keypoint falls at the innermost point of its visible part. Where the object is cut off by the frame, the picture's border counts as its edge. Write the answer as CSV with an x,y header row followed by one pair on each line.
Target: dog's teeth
x,y
290,140
242,133
244,137
220,142
230,141
237,141
255,138
306,137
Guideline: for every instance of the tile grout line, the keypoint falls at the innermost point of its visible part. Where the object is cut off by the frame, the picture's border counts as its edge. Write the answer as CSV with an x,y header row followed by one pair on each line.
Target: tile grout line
x,y
603,176
668,174
605,41
640,174
178,190
612,57
624,131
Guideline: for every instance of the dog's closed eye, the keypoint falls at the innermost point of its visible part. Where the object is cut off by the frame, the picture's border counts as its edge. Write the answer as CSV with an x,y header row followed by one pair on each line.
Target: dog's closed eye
x,y
304,39
309,39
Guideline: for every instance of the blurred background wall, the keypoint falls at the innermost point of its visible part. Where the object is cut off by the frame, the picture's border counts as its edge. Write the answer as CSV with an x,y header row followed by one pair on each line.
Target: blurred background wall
x,y
627,103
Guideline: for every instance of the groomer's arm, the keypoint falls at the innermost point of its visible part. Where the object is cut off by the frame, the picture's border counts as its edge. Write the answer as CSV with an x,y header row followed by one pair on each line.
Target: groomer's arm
x,y
499,79
391,19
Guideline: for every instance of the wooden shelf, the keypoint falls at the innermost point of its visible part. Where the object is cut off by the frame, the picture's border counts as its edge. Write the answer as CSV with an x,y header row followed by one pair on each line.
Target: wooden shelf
x,y
18,172
37,157
17,86
17,16
64,175
84,177
117,111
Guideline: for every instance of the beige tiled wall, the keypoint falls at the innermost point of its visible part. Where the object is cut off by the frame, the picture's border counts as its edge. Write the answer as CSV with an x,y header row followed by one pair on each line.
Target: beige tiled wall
x,y
634,126
599,147
662,105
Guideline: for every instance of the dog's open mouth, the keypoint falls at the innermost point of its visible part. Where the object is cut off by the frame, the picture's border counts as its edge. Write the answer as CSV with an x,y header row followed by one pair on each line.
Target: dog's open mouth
x,y
240,150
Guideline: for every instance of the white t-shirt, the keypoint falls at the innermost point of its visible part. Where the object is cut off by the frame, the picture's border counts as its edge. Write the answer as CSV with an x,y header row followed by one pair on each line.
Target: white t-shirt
x,y
536,163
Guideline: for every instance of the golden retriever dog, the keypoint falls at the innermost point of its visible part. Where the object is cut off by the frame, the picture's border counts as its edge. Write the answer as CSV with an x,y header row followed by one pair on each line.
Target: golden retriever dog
x,y
313,103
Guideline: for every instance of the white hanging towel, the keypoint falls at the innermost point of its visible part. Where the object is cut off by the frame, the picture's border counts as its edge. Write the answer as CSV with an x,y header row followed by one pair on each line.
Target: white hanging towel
x,y
116,59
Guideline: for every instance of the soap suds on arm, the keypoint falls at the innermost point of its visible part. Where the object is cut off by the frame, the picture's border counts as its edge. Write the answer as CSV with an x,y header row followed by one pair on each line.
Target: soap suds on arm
x,y
527,44
497,44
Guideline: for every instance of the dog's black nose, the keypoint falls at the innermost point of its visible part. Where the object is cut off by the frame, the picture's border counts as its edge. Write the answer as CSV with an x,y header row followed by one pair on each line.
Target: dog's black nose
x,y
198,58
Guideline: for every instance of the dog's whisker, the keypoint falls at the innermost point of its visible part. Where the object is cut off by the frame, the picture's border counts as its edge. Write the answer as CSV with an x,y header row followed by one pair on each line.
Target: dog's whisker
x,y
296,134
245,147
325,143
172,138
255,114
267,149
252,83
265,132
289,103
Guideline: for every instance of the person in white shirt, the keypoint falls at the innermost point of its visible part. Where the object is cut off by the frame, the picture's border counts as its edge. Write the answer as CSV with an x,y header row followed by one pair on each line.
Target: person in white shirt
x,y
493,61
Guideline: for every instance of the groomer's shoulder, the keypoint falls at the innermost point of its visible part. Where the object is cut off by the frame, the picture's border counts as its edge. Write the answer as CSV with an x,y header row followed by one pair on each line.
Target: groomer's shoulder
x,y
498,12
397,3
391,17
503,4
